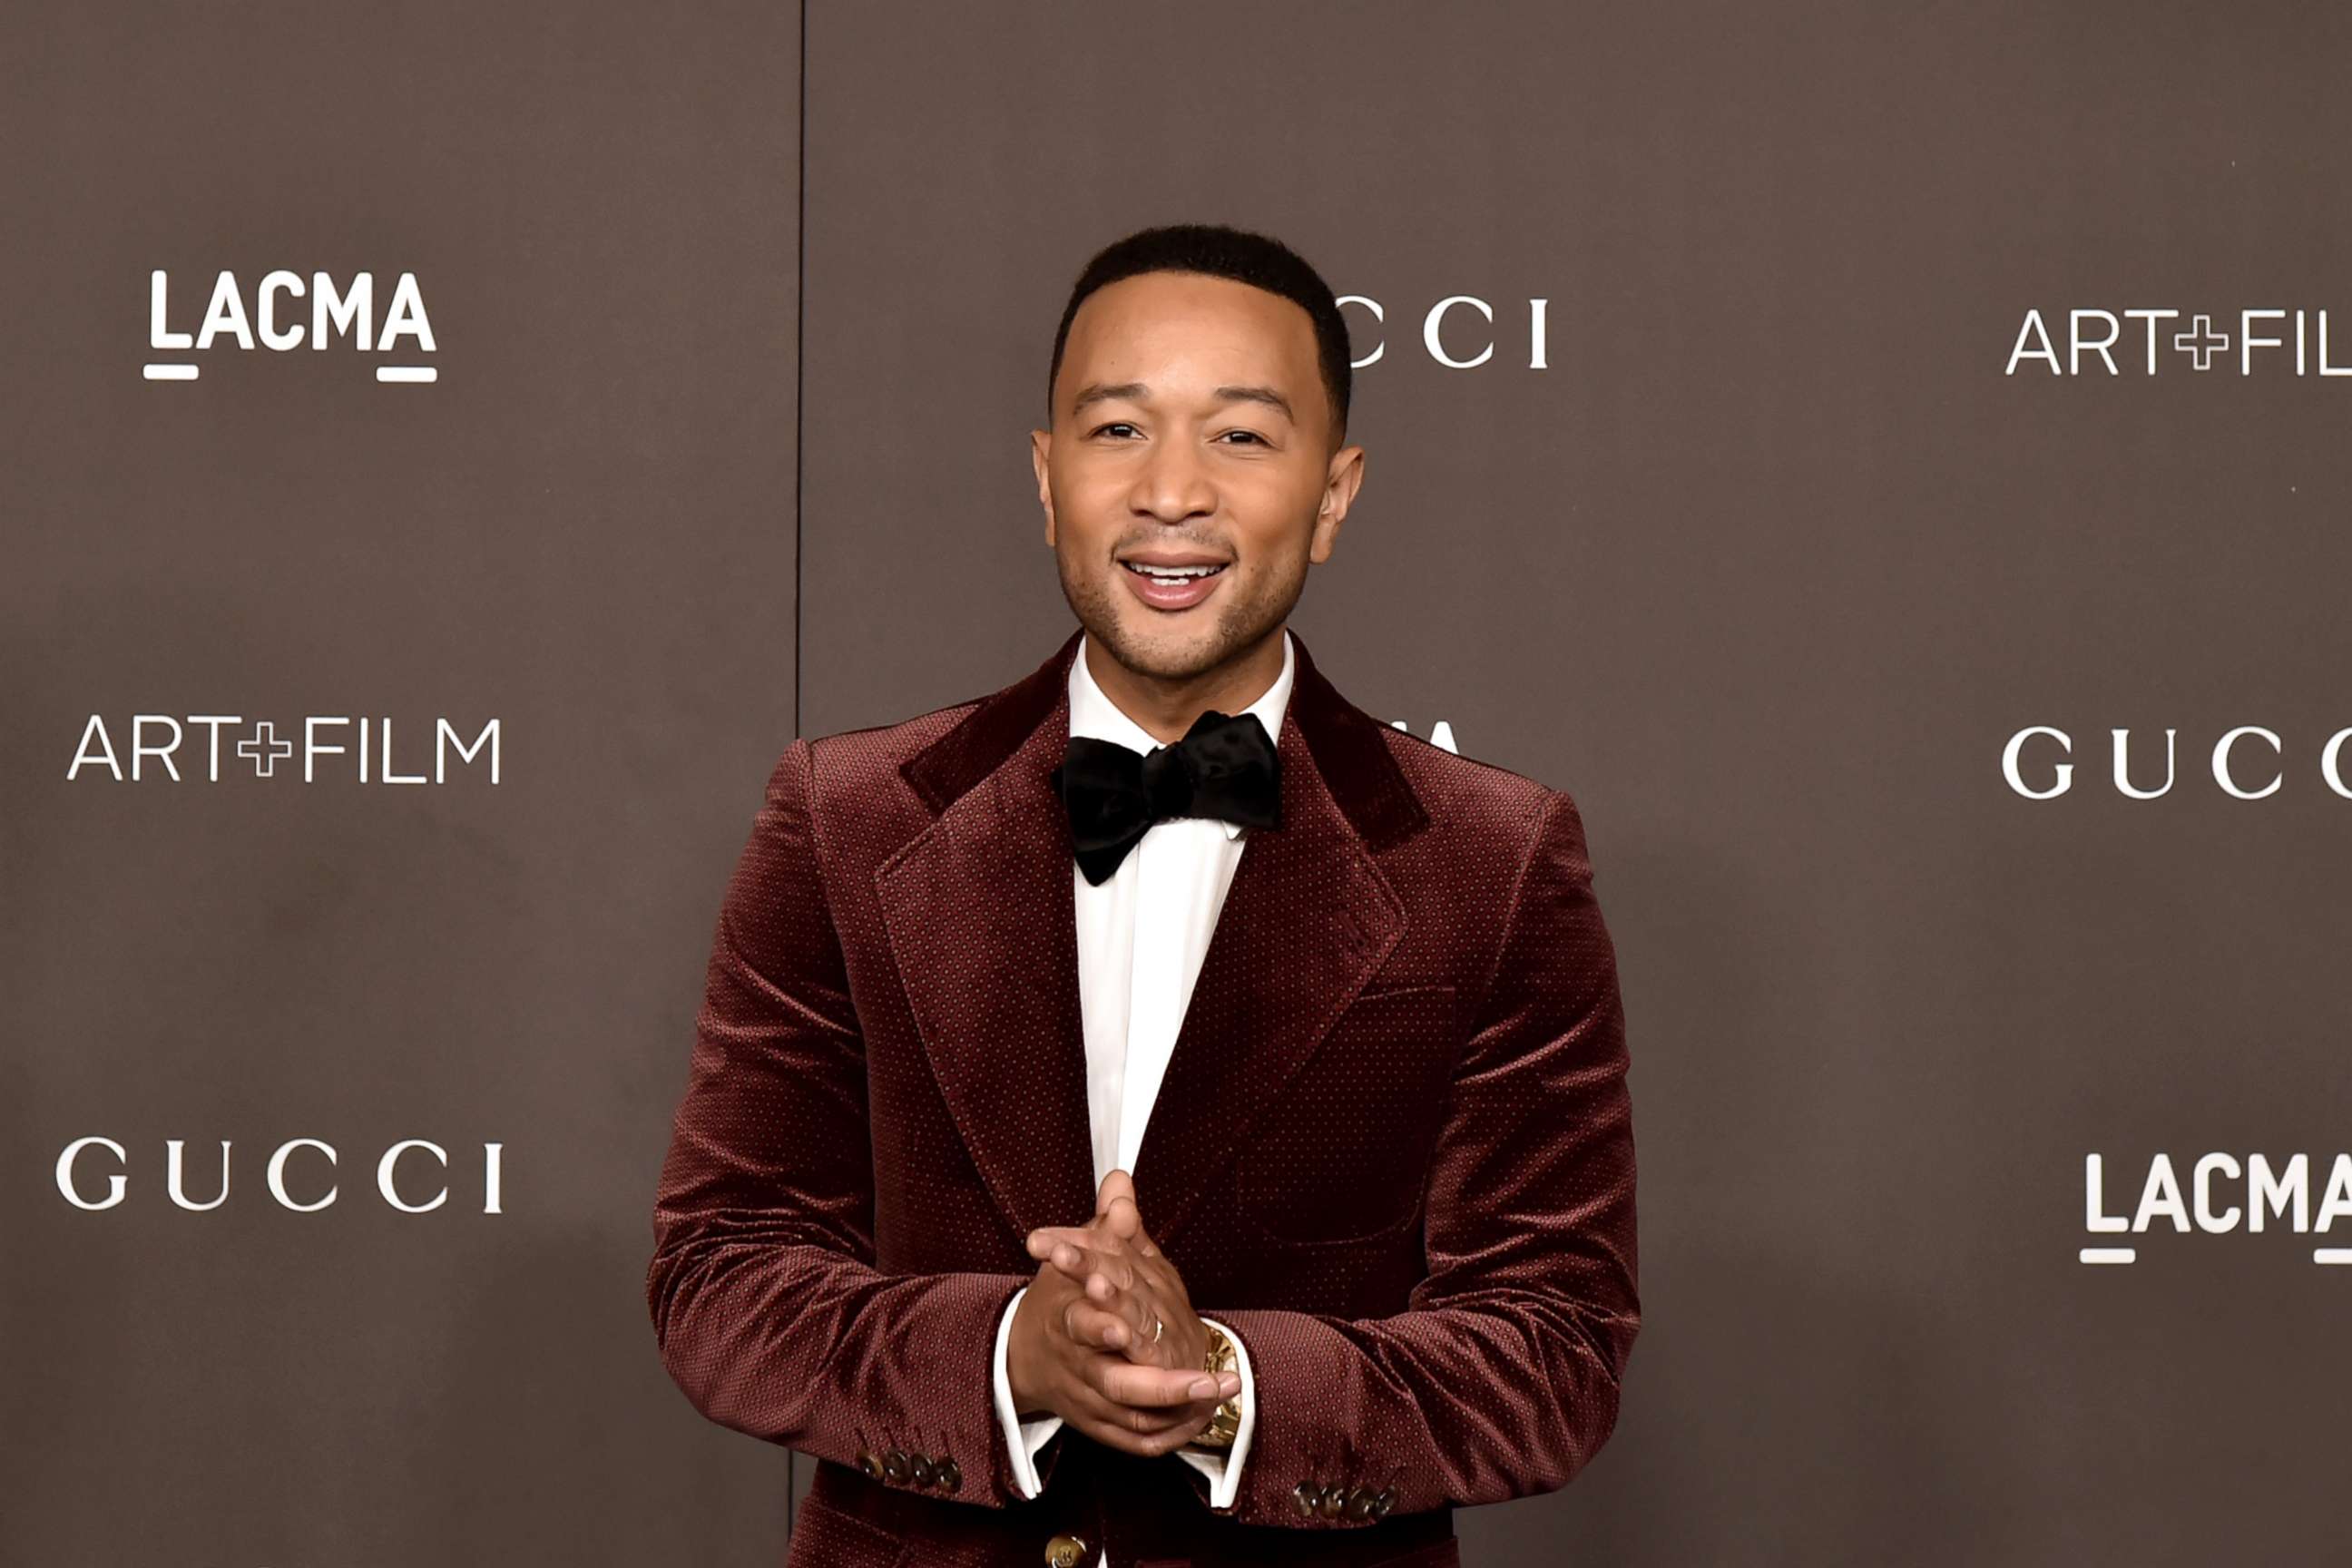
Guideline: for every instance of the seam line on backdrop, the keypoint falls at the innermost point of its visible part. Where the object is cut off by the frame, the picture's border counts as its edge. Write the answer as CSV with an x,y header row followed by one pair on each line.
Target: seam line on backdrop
x,y
800,423
800,379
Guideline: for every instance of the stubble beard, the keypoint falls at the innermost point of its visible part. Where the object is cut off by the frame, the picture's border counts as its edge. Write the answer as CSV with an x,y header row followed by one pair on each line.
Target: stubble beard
x,y
1242,621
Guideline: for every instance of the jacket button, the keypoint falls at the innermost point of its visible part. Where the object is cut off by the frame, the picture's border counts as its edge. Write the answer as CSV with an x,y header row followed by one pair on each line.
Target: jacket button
x,y
895,1465
1306,1494
1383,1503
1065,1552
923,1471
1360,1502
951,1476
1335,1498
870,1465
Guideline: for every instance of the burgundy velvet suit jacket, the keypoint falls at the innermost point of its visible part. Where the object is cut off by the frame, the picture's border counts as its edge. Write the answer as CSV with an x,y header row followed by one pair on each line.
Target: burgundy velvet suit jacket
x,y
1394,1150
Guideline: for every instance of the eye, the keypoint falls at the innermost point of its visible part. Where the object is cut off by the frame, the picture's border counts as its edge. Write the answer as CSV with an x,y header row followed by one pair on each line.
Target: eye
x,y
1252,434
1114,424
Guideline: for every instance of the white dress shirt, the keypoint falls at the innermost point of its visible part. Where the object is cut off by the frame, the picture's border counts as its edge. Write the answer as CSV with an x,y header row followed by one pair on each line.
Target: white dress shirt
x,y
1141,937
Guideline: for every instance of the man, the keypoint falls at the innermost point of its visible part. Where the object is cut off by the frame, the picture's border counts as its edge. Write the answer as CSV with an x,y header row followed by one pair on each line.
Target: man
x,y
1163,975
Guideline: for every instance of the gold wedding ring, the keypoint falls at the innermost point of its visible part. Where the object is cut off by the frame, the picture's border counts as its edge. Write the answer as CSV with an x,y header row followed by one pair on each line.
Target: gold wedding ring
x,y
1158,1329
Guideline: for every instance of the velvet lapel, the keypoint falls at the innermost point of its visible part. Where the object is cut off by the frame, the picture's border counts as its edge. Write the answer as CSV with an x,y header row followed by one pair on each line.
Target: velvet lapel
x,y
979,910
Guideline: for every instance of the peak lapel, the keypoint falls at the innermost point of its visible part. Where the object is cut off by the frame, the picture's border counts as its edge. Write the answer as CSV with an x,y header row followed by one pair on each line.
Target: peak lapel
x,y
1308,920
980,916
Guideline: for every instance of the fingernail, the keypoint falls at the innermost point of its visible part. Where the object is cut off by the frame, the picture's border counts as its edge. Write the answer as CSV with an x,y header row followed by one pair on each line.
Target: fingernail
x,y
1202,1388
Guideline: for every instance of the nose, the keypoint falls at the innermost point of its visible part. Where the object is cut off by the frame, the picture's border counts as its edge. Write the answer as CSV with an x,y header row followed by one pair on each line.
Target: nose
x,y
1173,484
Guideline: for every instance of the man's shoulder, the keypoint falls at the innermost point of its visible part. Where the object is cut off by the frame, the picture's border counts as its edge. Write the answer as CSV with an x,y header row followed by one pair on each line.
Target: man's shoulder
x,y
854,765
1469,799
882,747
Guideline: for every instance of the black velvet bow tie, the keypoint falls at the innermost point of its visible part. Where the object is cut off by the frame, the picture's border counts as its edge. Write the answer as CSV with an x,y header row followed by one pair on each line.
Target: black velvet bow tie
x,y
1223,767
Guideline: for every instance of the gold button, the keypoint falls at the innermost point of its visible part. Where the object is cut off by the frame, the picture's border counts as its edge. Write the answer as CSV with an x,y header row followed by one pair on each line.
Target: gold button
x,y
1065,1552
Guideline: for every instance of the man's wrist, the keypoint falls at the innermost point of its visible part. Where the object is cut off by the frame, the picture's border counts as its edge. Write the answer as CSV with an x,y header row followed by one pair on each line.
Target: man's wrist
x,y
1025,1438
1220,1357
1222,1468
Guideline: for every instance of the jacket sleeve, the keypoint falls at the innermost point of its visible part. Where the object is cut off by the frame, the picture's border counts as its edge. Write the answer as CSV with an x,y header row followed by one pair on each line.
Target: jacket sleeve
x,y
766,1304
1501,1378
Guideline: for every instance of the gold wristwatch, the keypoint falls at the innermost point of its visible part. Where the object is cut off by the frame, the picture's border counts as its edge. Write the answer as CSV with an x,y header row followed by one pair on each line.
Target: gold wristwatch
x,y
1223,1426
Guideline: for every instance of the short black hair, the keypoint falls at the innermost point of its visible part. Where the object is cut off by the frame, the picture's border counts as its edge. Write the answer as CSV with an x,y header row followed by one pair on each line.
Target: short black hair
x,y
1218,251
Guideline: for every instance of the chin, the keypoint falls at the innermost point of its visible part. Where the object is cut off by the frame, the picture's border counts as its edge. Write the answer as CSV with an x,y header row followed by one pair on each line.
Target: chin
x,y
1144,640
1163,652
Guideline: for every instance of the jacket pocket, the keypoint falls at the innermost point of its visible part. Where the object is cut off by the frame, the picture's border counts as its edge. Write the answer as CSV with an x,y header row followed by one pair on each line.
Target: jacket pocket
x,y
1341,1157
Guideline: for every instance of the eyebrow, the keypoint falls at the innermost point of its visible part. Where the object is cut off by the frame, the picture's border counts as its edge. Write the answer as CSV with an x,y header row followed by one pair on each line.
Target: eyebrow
x,y
1136,391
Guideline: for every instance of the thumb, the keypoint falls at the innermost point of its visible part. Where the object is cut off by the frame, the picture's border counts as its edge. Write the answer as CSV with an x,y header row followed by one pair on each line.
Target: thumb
x,y
1115,1185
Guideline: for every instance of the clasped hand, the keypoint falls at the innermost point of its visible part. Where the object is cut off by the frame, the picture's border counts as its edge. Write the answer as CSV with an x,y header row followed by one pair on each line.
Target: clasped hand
x,y
1084,1344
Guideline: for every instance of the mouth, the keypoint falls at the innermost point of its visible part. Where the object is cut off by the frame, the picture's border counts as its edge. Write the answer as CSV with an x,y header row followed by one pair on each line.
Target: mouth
x,y
1172,587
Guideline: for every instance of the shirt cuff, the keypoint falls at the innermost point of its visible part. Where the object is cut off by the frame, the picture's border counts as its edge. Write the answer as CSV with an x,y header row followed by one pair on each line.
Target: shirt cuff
x,y
1024,1439
1223,1468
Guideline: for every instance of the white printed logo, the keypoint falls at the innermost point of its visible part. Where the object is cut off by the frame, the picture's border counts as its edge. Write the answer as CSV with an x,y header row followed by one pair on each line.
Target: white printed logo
x,y
278,320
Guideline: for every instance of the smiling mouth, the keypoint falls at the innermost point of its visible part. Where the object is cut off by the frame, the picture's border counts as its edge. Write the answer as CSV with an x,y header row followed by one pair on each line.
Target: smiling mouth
x,y
1172,574
1172,589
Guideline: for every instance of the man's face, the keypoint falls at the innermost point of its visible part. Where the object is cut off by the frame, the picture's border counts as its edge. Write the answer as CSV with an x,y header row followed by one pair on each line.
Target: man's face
x,y
1190,425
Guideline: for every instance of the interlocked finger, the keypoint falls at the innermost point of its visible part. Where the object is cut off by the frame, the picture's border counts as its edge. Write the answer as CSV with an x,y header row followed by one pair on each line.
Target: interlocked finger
x,y
1149,1385
1078,1251
1131,1321
1116,1330
1128,1382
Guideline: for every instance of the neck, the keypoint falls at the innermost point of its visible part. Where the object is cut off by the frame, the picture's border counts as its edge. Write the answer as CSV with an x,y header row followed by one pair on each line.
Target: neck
x,y
1166,710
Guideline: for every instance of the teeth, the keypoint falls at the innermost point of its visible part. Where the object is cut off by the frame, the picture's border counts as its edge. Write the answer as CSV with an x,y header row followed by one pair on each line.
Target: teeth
x,y
1168,573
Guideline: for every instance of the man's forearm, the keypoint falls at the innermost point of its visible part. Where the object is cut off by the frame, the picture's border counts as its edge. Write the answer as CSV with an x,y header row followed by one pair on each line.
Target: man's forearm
x,y
768,1310
1501,1380
799,1346
1452,1406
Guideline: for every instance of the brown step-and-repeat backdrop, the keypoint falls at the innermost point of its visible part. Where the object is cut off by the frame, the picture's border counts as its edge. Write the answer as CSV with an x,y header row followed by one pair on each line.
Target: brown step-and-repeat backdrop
x,y
1885,462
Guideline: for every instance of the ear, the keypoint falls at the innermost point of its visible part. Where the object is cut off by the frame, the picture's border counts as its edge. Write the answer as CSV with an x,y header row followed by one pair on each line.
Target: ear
x,y
1041,449
1340,483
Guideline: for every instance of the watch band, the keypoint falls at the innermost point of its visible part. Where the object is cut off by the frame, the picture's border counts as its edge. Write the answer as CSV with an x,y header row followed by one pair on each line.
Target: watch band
x,y
1226,1423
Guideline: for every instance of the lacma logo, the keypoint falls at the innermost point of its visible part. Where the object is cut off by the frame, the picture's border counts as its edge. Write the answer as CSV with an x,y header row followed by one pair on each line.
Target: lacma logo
x,y
2100,343
2224,1194
158,744
278,320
